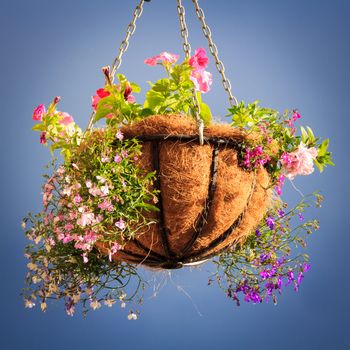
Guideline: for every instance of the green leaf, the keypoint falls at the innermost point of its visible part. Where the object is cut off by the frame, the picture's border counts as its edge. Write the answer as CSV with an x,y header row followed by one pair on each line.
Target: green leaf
x,y
304,135
135,88
38,127
310,134
205,113
146,206
323,147
154,100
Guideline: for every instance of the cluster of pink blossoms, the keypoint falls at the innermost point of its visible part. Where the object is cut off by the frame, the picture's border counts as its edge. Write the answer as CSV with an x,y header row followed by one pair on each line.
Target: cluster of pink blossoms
x,y
102,93
255,157
64,119
83,209
299,162
199,61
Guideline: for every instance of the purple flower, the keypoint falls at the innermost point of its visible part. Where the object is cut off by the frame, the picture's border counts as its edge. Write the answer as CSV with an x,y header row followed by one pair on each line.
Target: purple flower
x,y
279,282
280,213
257,232
264,257
290,278
306,267
270,222
300,277
301,218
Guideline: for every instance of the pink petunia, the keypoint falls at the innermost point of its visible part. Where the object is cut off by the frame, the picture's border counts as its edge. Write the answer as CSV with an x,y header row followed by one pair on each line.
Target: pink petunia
x,y
201,80
66,119
163,57
299,162
39,112
200,60
100,93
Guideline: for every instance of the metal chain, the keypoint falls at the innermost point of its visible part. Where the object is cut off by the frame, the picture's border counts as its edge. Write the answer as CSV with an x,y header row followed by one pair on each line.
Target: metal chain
x,y
130,30
187,49
214,51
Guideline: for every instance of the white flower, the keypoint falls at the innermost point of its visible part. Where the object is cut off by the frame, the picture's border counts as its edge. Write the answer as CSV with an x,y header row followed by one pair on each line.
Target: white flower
x,y
132,316
95,304
28,303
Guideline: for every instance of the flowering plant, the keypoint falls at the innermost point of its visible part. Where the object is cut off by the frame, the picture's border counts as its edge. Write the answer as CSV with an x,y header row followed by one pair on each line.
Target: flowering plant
x,y
97,197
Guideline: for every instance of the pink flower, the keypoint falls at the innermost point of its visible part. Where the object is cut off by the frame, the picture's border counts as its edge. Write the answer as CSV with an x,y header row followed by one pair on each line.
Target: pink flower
x,y
66,119
200,60
296,116
119,135
117,158
106,205
280,182
124,153
88,183
128,94
85,219
120,224
85,258
39,112
100,93
43,138
77,199
68,227
299,162
163,57
201,80
115,247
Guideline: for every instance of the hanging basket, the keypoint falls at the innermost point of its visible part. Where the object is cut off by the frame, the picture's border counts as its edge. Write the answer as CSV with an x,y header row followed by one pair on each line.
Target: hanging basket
x,y
207,201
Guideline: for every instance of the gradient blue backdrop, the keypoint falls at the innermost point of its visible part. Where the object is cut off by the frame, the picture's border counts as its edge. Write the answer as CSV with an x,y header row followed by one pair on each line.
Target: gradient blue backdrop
x,y
288,54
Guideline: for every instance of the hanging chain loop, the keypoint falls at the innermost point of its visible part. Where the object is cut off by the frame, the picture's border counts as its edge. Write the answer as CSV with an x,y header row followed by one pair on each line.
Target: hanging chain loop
x,y
187,51
214,51
130,30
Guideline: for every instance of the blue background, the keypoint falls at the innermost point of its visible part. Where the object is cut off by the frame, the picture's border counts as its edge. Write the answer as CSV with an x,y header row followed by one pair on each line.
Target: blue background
x,y
289,54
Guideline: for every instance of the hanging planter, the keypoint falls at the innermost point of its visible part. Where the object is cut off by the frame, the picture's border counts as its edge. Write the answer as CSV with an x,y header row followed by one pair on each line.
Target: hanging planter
x,y
161,185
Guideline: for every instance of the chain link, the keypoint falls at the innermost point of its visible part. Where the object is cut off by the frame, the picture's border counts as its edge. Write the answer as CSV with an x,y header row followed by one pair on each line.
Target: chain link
x,y
187,50
214,51
125,43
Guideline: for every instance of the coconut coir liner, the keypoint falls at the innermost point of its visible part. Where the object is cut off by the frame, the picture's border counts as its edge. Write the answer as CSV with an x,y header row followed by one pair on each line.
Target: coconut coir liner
x,y
240,198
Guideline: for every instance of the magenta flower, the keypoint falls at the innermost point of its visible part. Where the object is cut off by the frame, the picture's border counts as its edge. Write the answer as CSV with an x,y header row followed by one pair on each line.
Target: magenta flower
x,y
163,57
201,80
128,94
200,60
43,138
56,100
39,112
296,116
100,94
